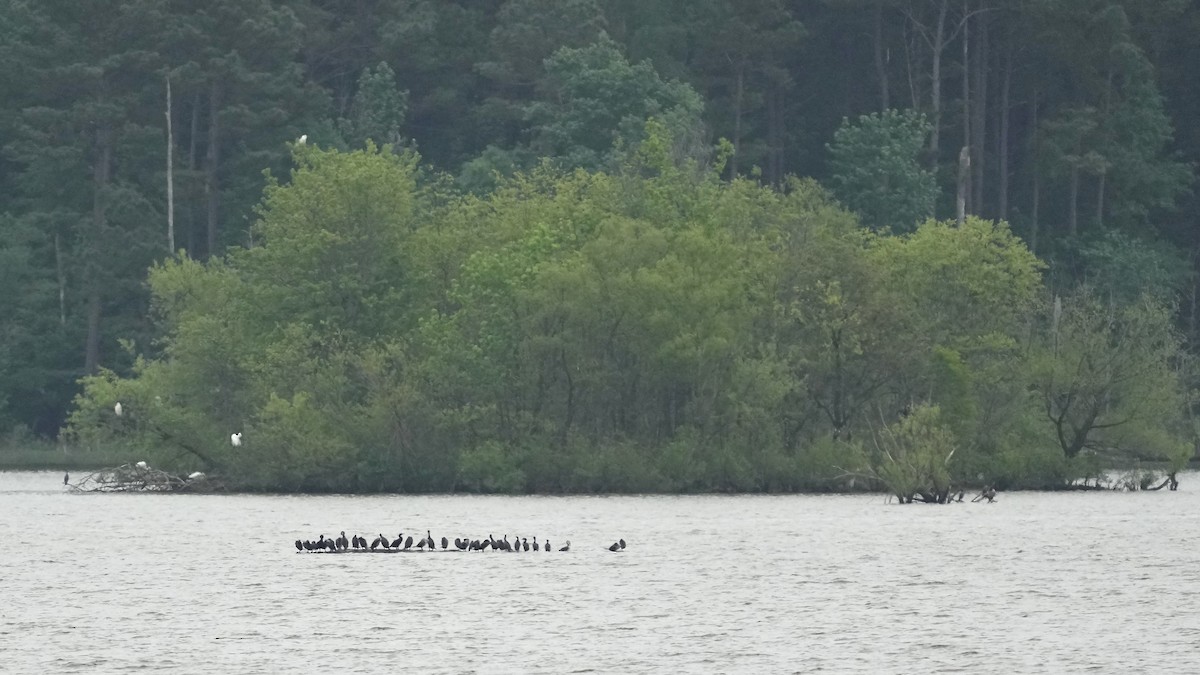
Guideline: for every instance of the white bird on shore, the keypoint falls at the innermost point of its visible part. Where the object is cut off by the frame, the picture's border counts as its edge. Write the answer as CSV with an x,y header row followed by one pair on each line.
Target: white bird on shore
x,y
118,409
235,439
196,475
143,465
302,140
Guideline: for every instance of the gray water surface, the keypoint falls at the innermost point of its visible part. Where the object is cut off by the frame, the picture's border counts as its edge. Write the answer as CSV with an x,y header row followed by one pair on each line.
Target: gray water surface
x,y
1035,583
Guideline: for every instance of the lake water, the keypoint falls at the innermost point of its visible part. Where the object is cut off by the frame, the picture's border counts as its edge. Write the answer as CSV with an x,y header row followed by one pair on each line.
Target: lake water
x,y
1035,583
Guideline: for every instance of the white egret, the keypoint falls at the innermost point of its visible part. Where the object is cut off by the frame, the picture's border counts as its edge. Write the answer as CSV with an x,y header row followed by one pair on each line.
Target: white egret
x,y
302,140
196,475
143,465
118,409
235,439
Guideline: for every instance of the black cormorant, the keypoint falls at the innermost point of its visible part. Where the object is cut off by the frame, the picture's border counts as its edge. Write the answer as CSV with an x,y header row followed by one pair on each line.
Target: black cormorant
x,y
615,547
567,547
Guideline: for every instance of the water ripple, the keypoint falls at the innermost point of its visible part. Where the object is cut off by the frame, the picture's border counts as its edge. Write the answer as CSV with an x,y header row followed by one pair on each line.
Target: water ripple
x,y
1035,583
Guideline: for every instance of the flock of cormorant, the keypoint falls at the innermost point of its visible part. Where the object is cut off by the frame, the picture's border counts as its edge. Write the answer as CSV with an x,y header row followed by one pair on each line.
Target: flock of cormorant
x,y
381,544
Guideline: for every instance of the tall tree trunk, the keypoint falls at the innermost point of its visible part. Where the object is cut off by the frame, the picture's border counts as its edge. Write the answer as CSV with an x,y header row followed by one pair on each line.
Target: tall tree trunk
x,y
1002,153
880,64
192,163
964,181
62,281
1104,168
935,84
1073,196
101,176
212,186
737,118
775,135
915,100
979,118
170,176
1037,183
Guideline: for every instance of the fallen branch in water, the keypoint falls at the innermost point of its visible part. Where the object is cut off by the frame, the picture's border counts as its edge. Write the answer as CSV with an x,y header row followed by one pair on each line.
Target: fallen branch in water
x,y
141,477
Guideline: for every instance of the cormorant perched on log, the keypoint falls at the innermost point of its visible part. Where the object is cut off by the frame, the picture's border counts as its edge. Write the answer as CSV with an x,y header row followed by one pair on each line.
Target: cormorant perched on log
x,y
383,541
548,549
408,543
421,544
299,545
535,544
445,543
567,547
525,543
399,540
460,544
622,543
375,544
342,542
429,540
615,547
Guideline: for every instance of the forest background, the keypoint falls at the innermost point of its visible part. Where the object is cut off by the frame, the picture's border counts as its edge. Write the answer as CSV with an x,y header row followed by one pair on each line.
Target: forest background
x,y
601,245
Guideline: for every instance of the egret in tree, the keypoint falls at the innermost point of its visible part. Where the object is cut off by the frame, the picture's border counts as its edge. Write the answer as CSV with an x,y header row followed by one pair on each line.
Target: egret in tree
x,y
302,140
235,439
118,409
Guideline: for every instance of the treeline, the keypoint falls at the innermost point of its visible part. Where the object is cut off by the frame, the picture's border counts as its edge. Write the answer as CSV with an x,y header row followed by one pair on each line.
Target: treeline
x,y
1065,107
653,328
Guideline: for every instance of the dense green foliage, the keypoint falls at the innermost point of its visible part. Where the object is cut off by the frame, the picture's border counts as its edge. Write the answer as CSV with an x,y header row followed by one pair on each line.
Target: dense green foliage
x,y
655,328
521,284
875,169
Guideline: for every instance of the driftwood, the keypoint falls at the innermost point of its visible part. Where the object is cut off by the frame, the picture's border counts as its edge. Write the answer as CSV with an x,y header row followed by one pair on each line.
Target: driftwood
x,y
141,477
989,493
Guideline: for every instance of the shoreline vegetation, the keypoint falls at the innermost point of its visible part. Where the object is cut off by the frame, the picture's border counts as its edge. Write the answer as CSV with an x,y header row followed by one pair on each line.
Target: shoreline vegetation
x,y
48,457
655,328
